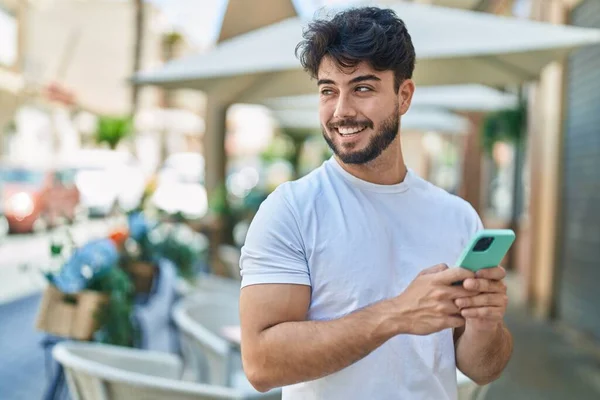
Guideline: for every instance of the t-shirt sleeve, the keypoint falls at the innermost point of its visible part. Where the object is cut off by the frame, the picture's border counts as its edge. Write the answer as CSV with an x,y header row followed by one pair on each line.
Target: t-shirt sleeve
x,y
473,223
274,251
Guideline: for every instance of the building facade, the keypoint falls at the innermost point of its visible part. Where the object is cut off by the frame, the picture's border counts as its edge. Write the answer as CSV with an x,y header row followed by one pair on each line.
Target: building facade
x,y
12,28
565,152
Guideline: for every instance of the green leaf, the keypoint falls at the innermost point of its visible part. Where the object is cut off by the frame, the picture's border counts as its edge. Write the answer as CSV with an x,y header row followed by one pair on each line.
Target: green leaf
x,y
504,126
111,130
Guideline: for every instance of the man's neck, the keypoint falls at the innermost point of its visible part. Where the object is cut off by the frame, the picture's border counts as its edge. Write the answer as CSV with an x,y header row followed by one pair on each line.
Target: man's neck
x,y
382,171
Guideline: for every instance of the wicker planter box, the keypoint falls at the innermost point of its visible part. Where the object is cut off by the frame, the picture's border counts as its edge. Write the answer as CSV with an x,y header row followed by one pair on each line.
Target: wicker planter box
x,y
71,316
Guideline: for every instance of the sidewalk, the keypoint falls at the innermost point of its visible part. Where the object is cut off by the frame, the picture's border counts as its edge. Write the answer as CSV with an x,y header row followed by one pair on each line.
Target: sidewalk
x,y
22,372
544,365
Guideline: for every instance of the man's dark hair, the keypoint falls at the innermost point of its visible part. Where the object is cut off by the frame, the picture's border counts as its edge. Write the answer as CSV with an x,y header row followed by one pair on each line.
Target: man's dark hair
x,y
369,34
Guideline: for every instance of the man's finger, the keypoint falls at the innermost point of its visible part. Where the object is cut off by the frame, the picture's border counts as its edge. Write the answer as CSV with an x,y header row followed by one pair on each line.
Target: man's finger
x,y
483,312
449,308
457,292
455,274
453,322
496,273
434,269
481,300
484,285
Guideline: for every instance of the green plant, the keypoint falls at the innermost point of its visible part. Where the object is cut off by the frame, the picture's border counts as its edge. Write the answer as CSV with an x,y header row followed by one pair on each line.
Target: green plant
x,y
94,267
504,125
217,202
111,130
10,127
280,148
172,38
181,245
114,317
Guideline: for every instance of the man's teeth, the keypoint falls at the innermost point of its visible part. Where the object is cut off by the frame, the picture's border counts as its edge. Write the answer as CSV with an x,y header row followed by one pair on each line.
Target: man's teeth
x,y
350,130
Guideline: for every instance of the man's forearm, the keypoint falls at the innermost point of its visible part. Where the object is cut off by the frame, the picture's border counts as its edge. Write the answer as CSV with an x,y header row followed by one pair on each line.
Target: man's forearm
x,y
481,355
293,352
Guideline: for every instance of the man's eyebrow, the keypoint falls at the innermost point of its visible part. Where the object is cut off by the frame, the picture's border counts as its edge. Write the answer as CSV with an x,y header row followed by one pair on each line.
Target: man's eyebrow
x,y
360,78
325,82
363,78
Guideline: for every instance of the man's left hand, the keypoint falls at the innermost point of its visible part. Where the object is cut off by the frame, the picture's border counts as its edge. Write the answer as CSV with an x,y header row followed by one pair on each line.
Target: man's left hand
x,y
485,310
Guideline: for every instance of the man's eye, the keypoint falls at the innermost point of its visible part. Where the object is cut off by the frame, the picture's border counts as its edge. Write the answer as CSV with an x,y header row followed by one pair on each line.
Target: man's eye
x,y
326,92
363,89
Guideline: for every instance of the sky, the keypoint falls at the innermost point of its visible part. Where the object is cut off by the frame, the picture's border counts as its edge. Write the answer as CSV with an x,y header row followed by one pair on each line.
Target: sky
x,y
200,19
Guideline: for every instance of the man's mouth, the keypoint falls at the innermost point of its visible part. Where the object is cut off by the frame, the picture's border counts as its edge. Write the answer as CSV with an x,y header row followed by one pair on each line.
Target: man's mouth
x,y
350,130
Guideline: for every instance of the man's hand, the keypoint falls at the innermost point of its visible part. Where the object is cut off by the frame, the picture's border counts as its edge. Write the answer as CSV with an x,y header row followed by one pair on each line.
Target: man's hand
x,y
428,303
484,309
484,345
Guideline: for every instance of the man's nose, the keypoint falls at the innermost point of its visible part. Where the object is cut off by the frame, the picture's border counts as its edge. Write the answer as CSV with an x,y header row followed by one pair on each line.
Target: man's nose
x,y
344,108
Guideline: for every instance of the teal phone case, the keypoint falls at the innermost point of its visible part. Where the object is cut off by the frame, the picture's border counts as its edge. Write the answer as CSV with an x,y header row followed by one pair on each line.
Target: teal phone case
x,y
475,260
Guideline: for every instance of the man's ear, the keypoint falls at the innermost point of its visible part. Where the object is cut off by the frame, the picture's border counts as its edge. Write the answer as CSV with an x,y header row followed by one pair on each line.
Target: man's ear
x,y
405,95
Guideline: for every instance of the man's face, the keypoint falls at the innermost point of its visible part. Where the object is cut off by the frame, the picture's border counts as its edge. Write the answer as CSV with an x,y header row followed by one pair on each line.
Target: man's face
x,y
359,110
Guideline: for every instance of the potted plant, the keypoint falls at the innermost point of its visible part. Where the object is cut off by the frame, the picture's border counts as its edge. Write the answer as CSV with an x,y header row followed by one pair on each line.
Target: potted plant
x,y
89,297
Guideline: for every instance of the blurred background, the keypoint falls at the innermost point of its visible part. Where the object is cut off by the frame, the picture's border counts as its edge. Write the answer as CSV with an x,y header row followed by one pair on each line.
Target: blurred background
x,y
138,139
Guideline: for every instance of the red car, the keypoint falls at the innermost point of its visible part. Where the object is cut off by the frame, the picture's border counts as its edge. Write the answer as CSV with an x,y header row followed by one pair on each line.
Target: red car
x,y
36,199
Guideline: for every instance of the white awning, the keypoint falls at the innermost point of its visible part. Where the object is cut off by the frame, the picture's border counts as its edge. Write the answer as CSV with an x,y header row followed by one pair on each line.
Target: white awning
x,y
453,46
243,16
416,119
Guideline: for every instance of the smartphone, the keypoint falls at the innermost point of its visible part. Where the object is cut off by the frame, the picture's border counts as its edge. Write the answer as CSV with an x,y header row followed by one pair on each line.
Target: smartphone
x,y
486,249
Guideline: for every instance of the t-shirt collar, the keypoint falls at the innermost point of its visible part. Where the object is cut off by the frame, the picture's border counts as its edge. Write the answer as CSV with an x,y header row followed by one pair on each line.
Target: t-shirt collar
x,y
374,187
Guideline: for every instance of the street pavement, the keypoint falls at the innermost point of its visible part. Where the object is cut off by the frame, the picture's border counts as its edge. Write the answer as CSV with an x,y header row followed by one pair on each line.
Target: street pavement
x,y
545,365
22,372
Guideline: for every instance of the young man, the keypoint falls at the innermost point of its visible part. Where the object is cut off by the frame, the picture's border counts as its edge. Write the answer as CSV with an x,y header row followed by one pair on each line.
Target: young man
x,y
346,289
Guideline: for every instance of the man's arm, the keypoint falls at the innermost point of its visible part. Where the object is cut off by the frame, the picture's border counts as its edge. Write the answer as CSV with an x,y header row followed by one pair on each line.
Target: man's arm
x,y
484,345
482,355
280,348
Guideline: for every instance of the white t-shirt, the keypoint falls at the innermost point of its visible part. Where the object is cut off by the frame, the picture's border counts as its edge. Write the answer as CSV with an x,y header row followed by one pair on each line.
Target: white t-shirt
x,y
356,243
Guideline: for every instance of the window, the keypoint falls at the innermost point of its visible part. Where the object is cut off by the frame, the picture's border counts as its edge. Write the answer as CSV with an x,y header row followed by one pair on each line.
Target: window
x,y
8,38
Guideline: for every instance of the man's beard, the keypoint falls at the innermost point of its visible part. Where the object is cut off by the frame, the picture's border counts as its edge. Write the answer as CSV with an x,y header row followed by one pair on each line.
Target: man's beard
x,y
377,144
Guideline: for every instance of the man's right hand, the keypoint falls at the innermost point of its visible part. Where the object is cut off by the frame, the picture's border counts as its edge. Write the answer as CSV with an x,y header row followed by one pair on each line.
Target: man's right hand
x,y
427,304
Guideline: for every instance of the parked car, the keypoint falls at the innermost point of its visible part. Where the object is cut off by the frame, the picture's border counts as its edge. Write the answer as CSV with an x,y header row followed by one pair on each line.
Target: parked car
x,y
37,198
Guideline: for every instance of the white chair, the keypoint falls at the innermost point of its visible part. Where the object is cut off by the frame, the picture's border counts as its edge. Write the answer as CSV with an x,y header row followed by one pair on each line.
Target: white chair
x,y
101,372
469,390
208,356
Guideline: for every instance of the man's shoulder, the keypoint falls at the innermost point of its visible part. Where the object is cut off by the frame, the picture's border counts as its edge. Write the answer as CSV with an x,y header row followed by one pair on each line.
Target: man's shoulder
x,y
445,200
305,189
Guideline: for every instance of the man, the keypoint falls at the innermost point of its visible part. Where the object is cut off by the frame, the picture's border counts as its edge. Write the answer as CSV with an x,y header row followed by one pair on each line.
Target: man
x,y
346,289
